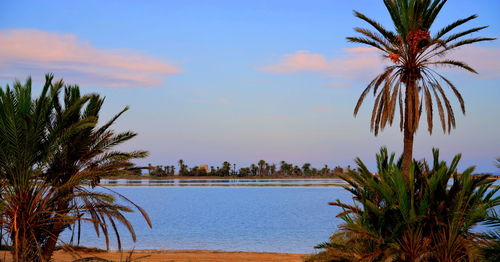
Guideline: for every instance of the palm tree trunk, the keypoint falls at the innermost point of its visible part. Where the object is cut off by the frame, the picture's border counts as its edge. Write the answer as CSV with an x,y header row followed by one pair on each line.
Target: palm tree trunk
x,y
407,151
410,122
24,248
49,247
56,229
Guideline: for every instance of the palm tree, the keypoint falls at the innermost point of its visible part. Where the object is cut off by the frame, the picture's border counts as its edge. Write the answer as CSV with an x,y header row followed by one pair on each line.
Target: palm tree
x,y
284,167
306,168
325,170
88,153
411,80
181,167
226,168
261,165
426,216
296,171
272,169
254,169
49,156
490,249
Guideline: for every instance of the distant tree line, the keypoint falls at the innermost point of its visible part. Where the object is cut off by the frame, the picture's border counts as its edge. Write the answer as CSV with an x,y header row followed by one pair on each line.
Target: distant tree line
x,y
260,169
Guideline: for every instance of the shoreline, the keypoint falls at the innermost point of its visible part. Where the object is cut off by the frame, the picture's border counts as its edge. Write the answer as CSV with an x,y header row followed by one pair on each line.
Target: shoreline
x,y
150,255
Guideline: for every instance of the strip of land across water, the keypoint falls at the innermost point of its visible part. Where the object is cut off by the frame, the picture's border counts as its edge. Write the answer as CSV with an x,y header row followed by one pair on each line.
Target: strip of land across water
x,y
221,177
493,176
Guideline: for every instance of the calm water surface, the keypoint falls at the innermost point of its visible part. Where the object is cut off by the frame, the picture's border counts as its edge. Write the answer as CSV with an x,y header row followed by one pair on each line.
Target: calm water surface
x,y
273,215
244,218
223,182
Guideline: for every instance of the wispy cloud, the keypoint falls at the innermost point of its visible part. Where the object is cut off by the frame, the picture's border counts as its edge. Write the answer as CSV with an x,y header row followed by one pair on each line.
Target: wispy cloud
x,y
28,52
484,60
363,63
301,60
354,63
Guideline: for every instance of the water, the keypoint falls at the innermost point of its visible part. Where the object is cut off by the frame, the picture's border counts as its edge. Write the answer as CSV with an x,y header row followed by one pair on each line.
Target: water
x,y
290,219
224,182
263,215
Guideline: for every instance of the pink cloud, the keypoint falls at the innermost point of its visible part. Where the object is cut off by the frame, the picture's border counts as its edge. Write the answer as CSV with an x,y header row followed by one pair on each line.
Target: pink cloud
x,y
301,60
486,61
355,63
28,52
364,63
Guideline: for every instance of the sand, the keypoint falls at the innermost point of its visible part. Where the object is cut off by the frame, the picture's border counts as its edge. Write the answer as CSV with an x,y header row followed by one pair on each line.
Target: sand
x,y
177,255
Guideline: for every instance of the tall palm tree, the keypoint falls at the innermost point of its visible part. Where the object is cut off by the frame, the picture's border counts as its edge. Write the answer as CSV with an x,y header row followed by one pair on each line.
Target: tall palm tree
x,y
411,80
182,167
261,165
226,169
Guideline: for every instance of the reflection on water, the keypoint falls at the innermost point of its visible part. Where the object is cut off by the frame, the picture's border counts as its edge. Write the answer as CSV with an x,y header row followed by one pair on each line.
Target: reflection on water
x,y
130,182
224,182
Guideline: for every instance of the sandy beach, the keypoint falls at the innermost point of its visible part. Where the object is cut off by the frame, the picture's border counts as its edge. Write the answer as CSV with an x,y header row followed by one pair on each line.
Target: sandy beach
x,y
174,256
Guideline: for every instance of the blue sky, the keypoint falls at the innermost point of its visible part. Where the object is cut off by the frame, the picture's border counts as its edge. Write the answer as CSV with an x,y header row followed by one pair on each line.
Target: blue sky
x,y
209,81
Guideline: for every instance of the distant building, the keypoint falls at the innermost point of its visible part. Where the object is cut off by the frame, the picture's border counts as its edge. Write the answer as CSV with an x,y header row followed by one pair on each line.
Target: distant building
x,y
204,167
